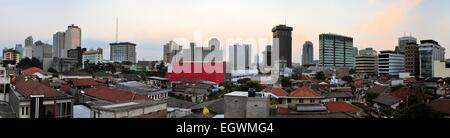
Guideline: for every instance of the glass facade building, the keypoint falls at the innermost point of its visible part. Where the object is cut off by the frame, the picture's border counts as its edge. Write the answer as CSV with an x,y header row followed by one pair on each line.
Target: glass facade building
x,y
336,51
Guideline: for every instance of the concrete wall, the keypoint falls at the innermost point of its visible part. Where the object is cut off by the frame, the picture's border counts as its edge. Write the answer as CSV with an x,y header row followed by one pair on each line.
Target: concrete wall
x,y
235,106
130,113
257,107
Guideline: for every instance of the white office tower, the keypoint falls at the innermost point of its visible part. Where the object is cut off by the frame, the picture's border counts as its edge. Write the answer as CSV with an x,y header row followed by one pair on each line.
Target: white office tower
x,y
59,49
29,47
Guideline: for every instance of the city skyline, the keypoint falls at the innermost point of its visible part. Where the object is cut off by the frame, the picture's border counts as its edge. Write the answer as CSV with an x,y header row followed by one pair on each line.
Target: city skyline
x,y
151,24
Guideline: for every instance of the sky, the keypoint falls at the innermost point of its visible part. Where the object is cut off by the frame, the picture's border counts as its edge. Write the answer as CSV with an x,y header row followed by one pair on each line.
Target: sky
x,y
152,23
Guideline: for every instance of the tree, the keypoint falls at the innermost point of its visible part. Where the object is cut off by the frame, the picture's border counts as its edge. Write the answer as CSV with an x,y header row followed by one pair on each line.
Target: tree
x,y
320,75
347,79
250,84
127,63
352,71
52,70
286,82
228,86
27,63
244,80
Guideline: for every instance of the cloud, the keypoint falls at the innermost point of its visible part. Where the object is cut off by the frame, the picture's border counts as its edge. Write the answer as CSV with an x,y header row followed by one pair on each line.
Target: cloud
x,y
387,18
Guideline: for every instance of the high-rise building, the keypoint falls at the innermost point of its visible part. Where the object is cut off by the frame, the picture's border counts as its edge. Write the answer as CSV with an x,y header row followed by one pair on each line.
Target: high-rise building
x,y
76,53
429,51
412,60
336,51
171,49
72,37
367,62
308,53
59,49
390,63
267,56
355,51
29,43
19,48
282,44
124,51
240,57
43,52
214,44
403,42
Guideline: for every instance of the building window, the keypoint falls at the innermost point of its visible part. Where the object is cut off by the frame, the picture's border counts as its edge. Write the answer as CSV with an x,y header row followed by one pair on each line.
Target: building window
x,y
26,110
23,110
289,100
313,101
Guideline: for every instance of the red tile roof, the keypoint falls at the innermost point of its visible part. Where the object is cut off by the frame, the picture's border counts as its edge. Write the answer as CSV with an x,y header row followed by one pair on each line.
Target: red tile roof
x,y
341,107
35,87
282,110
304,77
65,88
440,105
304,91
344,89
404,92
410,80
279,92
114,95
31,71
84,82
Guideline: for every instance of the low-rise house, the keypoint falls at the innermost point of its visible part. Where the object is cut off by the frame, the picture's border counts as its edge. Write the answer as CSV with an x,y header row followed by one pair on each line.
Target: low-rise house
x,y
32,98
106,102
43,75
75,75
385,102
81,84
303,99
153,92
129,77
405,93
343,107
214,107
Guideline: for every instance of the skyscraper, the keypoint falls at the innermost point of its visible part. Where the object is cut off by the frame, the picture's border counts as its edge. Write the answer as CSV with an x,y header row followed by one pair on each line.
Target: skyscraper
x,y
124,51
429,51
336,51
20,50
59,49
308,53
29,43
282,44
43,52
240,57
170,50
267,56
72,37
403,42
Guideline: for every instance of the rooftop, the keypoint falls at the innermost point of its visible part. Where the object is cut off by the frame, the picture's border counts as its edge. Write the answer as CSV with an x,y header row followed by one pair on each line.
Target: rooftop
x,y
440,105
29,87
341,107
279,92
31,70
84,82
114,95
304,91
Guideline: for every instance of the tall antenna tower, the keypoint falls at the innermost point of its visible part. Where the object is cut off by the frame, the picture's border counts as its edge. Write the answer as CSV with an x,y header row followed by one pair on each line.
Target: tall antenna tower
x,y
117,29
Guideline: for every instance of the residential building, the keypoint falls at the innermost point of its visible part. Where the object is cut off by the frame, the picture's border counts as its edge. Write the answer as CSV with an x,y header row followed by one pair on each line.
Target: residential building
x,y
390,63
308,53
336,51
282,45
303,99
31,98
153,92
429,51
11,55
105,102
124,51
93,56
